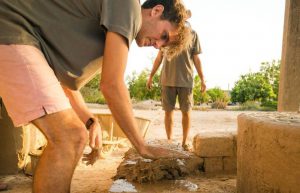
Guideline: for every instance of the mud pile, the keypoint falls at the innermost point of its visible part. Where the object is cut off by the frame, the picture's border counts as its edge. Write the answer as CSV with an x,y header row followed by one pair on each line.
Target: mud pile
x,y
134,168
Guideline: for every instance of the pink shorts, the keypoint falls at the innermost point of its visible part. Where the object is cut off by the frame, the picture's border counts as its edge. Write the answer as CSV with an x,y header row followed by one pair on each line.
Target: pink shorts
x,y
28,86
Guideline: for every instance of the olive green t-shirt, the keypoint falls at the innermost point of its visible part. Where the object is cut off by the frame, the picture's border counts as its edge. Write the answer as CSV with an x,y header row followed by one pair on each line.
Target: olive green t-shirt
x,y
70,33
178,71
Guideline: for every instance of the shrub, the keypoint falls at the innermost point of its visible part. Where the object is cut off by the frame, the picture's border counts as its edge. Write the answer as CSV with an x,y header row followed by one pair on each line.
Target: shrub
x,y
91,92
137,86
218,104
199,97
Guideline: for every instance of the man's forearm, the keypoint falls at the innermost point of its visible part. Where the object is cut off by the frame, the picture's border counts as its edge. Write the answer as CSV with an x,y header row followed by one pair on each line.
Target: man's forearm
x,y
114,89
198,66
118,100
78,104
156,64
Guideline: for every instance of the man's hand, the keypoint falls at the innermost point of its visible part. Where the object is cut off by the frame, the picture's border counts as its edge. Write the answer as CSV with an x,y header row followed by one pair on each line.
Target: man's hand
x,y
92,157
203,87
155,152
95,135
95,142
149,83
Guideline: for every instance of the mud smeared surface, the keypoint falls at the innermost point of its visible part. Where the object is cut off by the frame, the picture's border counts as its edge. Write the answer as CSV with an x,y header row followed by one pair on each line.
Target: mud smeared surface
x,y
135,168
168,175
196,183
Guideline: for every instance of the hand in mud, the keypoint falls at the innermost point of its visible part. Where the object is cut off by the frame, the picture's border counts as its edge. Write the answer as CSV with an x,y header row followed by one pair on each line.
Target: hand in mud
x,y
92,157
155,152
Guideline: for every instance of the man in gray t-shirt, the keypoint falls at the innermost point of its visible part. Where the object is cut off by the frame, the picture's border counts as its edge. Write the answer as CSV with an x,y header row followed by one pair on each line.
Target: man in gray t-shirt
x,y
177,80
50,48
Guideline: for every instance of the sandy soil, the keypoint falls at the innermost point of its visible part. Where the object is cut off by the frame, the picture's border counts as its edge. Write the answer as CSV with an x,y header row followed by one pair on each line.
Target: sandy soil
x,y
97,178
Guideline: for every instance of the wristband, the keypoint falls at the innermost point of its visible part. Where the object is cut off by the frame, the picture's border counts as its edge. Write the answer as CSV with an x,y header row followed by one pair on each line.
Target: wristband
x,y
89,122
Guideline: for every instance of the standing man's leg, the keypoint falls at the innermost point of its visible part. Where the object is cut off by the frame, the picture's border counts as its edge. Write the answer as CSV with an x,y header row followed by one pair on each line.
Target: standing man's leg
x,y
168,96
169,124
186,125
185,97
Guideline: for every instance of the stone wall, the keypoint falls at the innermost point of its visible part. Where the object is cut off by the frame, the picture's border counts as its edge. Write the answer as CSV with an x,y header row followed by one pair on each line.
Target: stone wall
x,y
268,153
218,150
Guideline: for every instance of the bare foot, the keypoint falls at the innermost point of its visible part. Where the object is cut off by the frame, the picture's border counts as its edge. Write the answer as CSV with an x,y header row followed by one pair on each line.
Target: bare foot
x,y
170,141
187,147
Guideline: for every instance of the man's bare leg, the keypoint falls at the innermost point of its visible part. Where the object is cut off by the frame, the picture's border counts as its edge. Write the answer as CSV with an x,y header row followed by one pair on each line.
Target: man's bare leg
x,y
66,136
186,124
169,124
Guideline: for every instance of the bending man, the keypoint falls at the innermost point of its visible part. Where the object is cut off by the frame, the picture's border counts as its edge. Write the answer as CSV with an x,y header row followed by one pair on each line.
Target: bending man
x,y
49,49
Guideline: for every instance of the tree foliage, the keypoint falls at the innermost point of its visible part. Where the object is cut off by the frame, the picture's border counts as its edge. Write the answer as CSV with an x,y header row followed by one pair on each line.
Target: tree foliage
x,y
137,86
261,86
217,94
91,92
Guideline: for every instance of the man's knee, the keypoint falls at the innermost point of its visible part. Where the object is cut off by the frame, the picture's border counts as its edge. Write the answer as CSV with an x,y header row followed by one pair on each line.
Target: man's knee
x,y
186,113
169,113
63,129
72,136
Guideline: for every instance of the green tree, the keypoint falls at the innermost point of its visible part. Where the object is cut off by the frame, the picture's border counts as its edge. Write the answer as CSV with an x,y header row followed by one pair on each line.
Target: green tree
x,y
271,72
217,94
261,86
137,86
251,87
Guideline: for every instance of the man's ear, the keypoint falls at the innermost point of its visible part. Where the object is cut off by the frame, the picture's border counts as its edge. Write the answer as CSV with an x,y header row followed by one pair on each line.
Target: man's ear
x,y
157,10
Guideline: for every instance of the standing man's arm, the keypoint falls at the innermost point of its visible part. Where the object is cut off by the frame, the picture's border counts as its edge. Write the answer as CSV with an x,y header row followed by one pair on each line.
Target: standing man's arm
x,y
156,65
198,66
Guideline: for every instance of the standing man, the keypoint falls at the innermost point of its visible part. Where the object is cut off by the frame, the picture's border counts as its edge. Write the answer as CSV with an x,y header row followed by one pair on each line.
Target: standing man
x,y
49,49
177,80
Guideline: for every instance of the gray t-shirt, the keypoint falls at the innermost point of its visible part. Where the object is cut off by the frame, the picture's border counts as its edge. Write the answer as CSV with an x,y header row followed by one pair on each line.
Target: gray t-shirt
x,y
178,71
70,33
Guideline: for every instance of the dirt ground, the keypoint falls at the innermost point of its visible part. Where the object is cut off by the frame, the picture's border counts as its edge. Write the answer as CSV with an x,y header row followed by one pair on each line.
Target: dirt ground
x,y
97,178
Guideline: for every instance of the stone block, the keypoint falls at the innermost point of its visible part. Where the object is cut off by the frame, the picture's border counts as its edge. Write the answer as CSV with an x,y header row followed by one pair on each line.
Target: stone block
x,y
268,153
229,164
213,165
214,145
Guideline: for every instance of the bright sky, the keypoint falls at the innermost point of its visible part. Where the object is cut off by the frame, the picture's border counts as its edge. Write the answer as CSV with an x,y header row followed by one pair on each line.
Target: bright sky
x,y
235,36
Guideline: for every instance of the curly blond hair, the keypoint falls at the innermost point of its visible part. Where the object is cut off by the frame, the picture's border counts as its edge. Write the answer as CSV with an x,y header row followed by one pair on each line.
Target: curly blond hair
x,y
177,14
182,41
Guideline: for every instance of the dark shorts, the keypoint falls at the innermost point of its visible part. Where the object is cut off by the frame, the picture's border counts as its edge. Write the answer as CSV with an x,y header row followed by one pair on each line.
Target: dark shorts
x,y
169,95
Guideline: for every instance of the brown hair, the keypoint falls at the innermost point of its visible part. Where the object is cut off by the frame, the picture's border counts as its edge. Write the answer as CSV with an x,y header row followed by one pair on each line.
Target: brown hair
x,y
175,12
